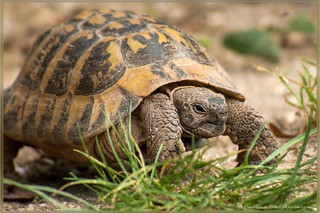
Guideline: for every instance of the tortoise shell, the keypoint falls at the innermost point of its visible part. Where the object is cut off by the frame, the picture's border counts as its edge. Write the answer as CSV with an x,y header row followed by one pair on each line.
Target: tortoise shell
x,y
97,64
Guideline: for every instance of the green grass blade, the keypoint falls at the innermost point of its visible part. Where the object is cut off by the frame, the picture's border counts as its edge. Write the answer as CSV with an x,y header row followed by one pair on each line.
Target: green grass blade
x,y
308,201
38,191
119,161
300,155
287,145
254,141
153,171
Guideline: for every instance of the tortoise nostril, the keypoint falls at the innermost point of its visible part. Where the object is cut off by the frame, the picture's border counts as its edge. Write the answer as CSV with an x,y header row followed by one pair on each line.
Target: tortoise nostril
x,y
223,115
219,117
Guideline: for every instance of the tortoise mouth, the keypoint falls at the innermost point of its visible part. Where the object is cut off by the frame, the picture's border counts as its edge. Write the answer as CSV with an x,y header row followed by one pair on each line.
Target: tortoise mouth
x,y
196,144
210,130
207,130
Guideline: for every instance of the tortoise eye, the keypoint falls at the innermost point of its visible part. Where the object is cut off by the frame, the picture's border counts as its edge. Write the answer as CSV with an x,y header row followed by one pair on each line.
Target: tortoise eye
x,y
198,108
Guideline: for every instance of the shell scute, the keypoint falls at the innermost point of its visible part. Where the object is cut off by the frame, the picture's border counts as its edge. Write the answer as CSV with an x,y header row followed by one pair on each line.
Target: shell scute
x,y
144,48
101,69
59,72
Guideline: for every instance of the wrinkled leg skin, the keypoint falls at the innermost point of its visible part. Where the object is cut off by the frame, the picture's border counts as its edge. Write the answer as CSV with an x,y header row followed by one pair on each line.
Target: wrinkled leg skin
x,y
162,125
10,150
242,125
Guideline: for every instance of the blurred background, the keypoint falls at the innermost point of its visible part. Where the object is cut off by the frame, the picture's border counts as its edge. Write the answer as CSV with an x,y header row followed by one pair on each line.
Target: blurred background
x,y
240,36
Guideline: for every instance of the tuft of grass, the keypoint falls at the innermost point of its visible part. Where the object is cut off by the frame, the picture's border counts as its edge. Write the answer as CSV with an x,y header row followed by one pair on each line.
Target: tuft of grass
x,y
255,42
302,93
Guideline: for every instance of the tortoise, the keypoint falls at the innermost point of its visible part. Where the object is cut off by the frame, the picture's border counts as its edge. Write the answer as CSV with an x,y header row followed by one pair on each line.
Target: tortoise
x,y
107,63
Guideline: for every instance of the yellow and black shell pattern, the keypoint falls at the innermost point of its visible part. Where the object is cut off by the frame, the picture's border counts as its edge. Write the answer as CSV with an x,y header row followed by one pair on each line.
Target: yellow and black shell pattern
x,y
97,63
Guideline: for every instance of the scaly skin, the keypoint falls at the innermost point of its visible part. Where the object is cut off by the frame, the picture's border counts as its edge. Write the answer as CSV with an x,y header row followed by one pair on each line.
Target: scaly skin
x,y
161,123
202,112
243,124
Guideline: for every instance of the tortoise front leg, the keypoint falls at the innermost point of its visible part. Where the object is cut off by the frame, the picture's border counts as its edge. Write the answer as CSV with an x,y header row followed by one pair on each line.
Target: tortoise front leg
x,y
242,125
162,126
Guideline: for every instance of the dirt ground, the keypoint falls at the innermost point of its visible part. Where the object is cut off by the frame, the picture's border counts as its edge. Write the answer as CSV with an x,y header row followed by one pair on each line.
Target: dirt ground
x,y
24,21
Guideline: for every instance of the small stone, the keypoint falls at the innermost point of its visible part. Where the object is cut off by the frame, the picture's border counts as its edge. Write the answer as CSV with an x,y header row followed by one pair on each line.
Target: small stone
x,y
30,207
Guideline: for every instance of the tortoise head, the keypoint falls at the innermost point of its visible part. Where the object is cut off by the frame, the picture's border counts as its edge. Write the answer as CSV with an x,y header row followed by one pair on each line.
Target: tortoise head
x,y
202,112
